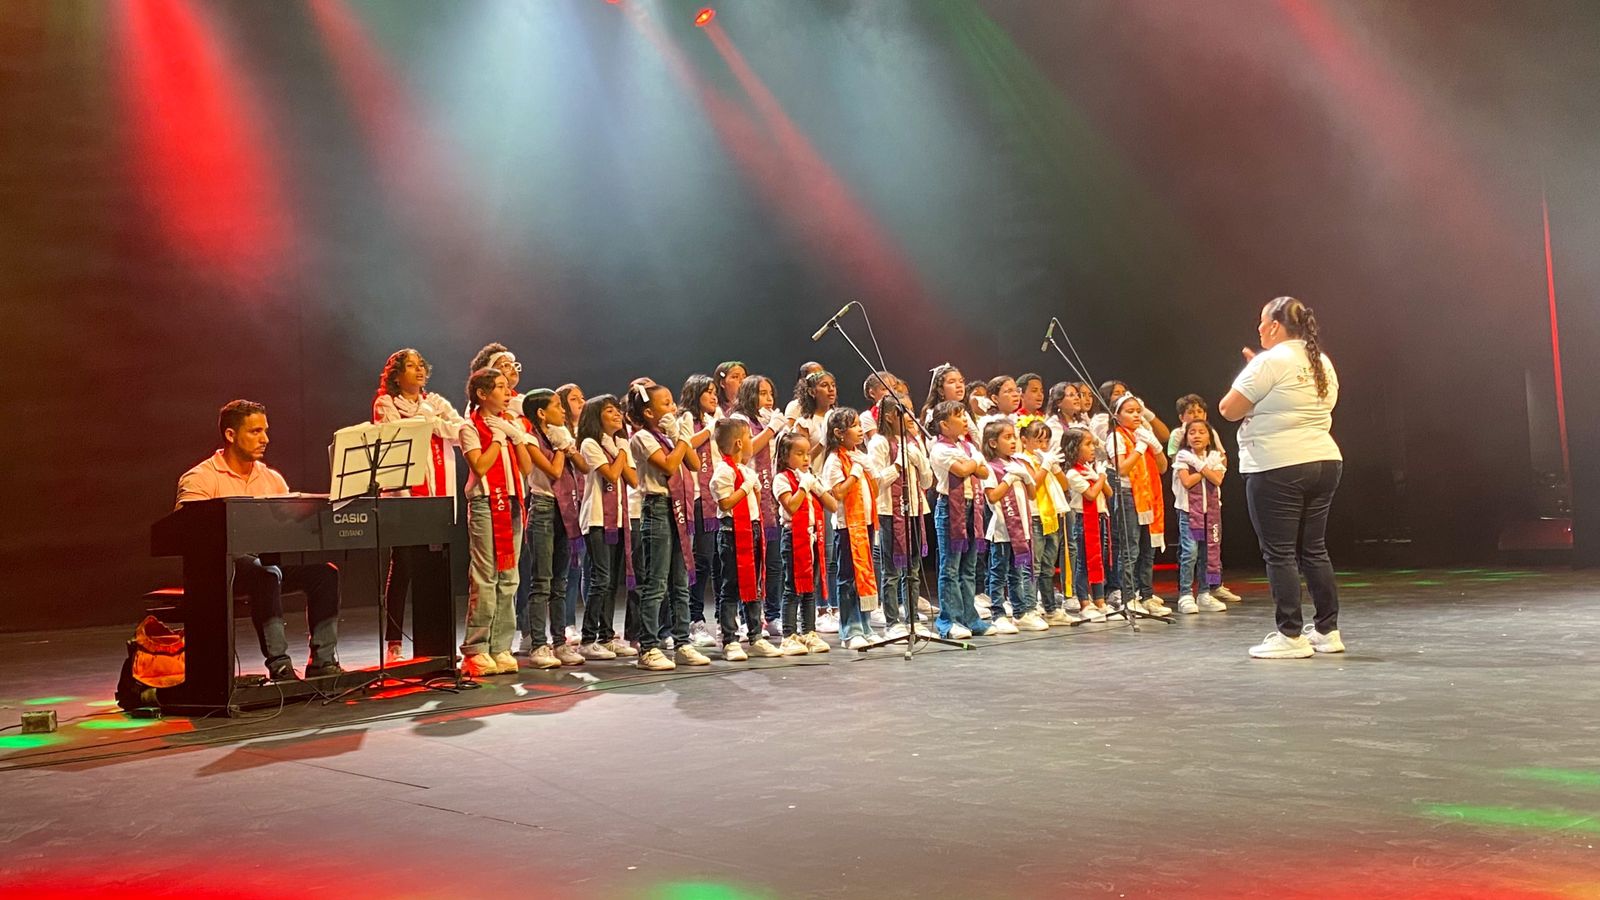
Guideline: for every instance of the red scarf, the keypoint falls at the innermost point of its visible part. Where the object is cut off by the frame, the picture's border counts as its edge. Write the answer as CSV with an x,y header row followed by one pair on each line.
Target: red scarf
x,y
501,497
745,546
1093,557
810,558
858,527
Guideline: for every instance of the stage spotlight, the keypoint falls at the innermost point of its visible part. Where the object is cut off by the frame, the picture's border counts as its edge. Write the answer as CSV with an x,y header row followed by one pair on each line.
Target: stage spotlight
x,y
704,17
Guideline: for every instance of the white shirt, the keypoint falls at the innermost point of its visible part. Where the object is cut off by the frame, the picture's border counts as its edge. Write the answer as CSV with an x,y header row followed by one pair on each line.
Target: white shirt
x,y
817,428
997,531
642,445
881,451
942,454
833,475
1290,423
1078,484
722,488
592,512
1187,461
478,485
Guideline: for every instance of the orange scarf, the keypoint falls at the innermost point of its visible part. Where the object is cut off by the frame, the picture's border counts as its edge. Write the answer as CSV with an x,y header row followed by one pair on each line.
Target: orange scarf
x,y
1143,482
858,526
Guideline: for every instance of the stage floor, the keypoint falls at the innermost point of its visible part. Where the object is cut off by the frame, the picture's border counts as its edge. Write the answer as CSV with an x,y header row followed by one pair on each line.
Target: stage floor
x,y
1454,751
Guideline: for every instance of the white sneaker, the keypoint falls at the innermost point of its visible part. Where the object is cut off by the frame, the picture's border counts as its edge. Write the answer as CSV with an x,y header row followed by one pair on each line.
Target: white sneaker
x,y
924,607
1002,625
1221,592
793,646
897,630
595,650
1092,614
573,635
700,635
1187,606
621,648
734,652
856,643
925,631
1114,599
689,656
814,642
543,657
1061,617
764,648
1011,613
1324,643
1277,646
773,630
656,661
506,662
877,620
1033,622
568,655
1137,606
744,633
1156,607
1154,599
393,652
827,623
983,603
479,665
960,632
1212,604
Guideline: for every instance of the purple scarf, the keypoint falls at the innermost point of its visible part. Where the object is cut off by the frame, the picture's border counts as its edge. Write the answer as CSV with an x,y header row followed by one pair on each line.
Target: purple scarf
x,y
1205,523
964,519
898,540
1012,513
678,497
709,514
616,513
566,490
772,528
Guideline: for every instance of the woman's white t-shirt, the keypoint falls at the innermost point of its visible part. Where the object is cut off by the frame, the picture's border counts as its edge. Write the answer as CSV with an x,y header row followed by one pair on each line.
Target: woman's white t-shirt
x,y
1290,423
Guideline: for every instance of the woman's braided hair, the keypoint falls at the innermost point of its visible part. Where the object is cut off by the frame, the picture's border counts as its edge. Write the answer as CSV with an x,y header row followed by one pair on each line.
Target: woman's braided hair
x,y
1300,322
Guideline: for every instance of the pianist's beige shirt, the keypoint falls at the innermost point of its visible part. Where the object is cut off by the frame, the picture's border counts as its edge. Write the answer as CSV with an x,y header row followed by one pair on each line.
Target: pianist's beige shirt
x,y
212,479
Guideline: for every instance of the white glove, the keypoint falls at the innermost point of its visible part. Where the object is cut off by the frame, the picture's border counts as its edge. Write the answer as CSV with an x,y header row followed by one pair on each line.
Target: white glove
x,y
860,459
560,437
1052,460
985,405
1146,439
809,482
500,429
772,419
1018,473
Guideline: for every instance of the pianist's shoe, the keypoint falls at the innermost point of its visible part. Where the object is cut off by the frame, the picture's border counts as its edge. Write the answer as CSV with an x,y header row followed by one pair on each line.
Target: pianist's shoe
x,y
324,670
283,670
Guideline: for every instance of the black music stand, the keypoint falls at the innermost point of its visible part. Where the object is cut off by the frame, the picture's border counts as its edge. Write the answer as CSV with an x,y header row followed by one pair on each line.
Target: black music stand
x,y
364,463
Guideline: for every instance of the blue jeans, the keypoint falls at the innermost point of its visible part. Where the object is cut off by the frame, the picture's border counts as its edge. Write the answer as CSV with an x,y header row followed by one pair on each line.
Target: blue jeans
x,y
1135,560
799,610
729,607
1191,559
1046,556
664,583
1289,509
1081,587
542,597
1016,577
852,621
705,564
608,574
772,554
958,576
896,585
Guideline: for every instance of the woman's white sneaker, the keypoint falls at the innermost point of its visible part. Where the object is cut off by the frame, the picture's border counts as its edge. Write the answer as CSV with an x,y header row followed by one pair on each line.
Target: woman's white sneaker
x,y
1324,643
1278,646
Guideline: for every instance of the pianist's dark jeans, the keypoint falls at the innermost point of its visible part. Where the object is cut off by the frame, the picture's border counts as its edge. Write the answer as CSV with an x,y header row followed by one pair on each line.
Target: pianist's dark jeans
x,y
420,572
264,585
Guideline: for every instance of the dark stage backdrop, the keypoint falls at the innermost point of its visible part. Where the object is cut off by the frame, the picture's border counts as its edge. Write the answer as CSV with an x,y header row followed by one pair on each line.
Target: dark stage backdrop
x,y
209,200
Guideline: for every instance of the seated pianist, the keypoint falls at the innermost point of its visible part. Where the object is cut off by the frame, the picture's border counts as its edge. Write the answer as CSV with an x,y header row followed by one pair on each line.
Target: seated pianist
x,y
236,470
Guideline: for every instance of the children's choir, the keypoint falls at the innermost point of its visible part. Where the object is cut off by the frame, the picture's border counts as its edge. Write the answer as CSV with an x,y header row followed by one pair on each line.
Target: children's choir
x,y
801,521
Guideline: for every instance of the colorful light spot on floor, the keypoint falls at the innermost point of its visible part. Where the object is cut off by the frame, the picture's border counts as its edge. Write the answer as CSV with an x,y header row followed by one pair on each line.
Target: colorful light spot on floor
x,y
29,741
1514,817
1355,584
699,890
1569,777
48,701
116,723
1427,582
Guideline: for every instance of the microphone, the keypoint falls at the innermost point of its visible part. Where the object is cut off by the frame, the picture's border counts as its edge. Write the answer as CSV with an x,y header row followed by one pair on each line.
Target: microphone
x,y
1047,330
828,325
